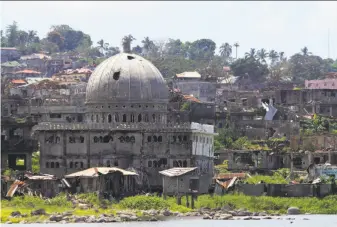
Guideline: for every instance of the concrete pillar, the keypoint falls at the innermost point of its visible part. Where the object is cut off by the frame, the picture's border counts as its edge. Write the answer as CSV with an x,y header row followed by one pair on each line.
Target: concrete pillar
x,y
29,161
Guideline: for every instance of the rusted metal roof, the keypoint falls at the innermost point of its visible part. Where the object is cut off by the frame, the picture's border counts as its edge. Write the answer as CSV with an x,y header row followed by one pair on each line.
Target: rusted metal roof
x,y
175,172
188,75
14,187
18,81
27,71
321,84
230,175
95,171
191,98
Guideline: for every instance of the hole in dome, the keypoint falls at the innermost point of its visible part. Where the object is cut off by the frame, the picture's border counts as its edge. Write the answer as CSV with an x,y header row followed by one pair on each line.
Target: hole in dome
x,y
116,75
130,57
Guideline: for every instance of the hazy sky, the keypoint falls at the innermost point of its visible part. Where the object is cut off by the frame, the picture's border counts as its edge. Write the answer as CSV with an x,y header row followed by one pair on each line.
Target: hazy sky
x,y
283,26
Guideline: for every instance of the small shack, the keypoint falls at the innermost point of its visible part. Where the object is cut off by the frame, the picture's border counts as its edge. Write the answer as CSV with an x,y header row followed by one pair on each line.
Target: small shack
x,y
108,181
180,181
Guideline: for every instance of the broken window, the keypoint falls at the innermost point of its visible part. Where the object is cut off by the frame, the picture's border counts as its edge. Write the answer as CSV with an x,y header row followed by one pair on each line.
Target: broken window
x,y
154,138
132,118
97,120
155,164
81,139
179,138
146,118
185,163
185,138
124,117
54,115
57,165
71,165
108,163
109,118
82,165
160,138
149,163
106,139
47,164
96,139
52,165
244,102
153,117
115,163
180,163
139,117
175,164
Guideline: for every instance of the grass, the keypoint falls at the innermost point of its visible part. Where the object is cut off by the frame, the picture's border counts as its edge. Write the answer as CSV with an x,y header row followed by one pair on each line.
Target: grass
x,y
60,204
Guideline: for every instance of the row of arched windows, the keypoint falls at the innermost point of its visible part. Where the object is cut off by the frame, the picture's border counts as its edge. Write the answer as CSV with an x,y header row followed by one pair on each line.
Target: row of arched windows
x,y
73,139
53,139
101,139
154,139
76,165
157,163
124,118
179,139
180,163
109,163
52,165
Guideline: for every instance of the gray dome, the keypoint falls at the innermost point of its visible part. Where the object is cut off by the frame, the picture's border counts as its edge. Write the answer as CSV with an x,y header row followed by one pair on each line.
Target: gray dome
x,y
126,78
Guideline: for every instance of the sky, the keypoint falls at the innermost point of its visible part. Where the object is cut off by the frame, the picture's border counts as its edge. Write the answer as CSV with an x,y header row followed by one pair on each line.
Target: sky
x,y
282,26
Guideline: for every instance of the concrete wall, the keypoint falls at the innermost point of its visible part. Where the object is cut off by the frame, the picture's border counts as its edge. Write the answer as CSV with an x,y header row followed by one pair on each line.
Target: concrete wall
x,y
252,190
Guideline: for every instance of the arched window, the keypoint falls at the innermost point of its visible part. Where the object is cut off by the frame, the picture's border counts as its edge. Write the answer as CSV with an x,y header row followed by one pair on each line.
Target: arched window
x,y
103,118
175,164
97,120
153,117
155,164
149,163
57,165
81,139
132,118
149,139
47,164
92,118
101,139
185,163
96,139
180,163
71,165
106,139
116,117
146,118
160,138
52,165
124,117
76,165
174,138
185,138
82,165
109,118
108,163
139,117
115,163
155,139
179,138
57,139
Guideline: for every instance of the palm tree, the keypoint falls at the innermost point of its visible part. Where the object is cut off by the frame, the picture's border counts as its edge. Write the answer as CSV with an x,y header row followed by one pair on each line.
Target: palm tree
x,y
251,53
262,55
31,36
22,38
282,58
225,51
236,49
148,44
126,42
102,46
305,51
273,56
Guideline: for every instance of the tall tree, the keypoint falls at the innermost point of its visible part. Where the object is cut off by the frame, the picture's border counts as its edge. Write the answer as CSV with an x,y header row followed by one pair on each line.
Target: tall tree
x,y
148,46
32,35
12,33
3,39
273,56
251,67
226,51
251,53
56,38
22,38
262,55
282,57
305,51
202,49
126,43
137,50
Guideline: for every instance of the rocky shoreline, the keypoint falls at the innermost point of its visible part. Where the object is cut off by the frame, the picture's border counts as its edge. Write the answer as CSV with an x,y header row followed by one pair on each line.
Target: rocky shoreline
x,y
152,215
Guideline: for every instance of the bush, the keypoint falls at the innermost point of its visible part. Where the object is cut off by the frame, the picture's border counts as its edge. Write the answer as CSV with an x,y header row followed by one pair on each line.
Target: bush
x,y
144,203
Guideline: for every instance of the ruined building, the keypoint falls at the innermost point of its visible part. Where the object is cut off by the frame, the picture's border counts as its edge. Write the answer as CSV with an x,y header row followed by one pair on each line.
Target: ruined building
x,y
125,124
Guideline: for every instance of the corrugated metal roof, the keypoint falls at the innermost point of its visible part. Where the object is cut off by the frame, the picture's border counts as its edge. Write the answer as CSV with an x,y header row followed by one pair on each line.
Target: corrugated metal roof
x,y
27,71
94,172
18,81
189,75
191,98
175,172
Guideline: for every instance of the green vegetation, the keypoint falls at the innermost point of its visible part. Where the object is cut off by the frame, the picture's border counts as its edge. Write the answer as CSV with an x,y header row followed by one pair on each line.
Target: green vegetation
x,y
222,168
237,201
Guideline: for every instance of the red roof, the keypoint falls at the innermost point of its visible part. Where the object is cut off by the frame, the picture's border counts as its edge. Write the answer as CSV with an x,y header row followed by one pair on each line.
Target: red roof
x,y
191,98
27,71
19,81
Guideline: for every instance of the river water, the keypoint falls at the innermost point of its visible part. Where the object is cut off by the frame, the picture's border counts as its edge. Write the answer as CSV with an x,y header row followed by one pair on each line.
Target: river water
x,y
314,221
